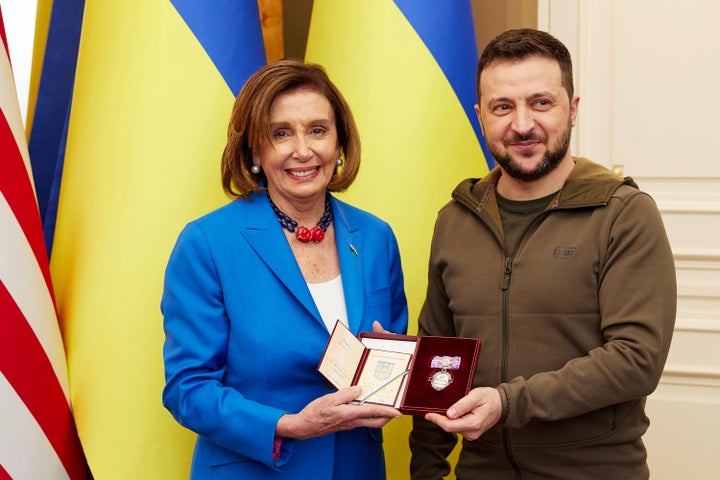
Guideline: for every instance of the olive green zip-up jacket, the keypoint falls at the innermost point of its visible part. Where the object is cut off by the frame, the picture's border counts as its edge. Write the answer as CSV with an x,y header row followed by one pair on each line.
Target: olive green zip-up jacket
x,y
575,327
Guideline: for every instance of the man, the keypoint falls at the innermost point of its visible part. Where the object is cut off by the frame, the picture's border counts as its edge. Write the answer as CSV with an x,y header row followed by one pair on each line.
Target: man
x,y
564,272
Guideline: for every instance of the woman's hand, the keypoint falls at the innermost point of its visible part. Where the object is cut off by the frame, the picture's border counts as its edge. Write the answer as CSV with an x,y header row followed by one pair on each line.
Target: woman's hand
x,y
378,328
333,413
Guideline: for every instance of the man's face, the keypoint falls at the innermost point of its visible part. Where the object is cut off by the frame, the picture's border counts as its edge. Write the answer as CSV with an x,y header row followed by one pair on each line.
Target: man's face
x,y
526,116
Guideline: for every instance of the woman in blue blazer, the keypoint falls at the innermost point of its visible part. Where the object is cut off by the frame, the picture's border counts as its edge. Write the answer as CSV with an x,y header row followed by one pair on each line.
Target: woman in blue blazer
x,y
253,289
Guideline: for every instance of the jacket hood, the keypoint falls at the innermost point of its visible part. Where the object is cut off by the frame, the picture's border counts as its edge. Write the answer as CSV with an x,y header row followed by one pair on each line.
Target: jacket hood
x,y
589,184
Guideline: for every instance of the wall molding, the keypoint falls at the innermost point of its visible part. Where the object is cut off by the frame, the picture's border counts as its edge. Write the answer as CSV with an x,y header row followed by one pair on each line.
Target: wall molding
x,y
697,259
698,325
691,375
684,195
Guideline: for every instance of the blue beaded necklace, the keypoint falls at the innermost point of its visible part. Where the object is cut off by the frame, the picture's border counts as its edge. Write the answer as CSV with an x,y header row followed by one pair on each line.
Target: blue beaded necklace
x,y
302,233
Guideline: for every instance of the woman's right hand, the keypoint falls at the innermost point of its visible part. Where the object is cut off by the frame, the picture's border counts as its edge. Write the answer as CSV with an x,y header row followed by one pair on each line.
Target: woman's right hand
x,y
333,413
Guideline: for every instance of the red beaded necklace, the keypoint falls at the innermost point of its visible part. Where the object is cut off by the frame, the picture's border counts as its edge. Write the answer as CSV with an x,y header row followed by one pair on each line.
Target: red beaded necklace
x,y
302,233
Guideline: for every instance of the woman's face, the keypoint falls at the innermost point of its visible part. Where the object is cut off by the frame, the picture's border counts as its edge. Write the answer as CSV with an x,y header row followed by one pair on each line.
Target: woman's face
x,y
299,160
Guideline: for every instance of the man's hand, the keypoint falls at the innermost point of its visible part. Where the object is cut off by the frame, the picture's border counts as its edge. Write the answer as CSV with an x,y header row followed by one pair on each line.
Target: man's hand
x,y
472,415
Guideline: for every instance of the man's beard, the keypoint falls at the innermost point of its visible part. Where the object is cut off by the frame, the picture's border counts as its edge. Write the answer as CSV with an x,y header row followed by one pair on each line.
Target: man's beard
x,y
550,161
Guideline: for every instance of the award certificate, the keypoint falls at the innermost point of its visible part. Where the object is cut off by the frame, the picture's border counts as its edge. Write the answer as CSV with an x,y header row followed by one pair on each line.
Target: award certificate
x,y
382,376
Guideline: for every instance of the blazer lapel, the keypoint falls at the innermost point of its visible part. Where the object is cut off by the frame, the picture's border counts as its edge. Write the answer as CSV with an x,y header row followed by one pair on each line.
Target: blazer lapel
x,y
349,241
260,230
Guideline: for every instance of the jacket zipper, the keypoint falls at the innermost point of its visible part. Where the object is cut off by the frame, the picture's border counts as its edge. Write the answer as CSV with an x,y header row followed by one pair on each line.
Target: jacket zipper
x,y
507,274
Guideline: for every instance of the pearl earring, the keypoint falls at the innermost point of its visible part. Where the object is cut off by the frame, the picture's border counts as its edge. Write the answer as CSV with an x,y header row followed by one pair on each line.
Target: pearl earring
x,y
339,162
255,169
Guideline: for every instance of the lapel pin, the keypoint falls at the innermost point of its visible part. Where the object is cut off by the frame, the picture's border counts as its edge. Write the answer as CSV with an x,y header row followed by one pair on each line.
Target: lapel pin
x,y
354,250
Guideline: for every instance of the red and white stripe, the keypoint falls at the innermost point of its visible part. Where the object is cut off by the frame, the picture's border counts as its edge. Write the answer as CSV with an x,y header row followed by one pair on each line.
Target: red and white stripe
x,y
38,438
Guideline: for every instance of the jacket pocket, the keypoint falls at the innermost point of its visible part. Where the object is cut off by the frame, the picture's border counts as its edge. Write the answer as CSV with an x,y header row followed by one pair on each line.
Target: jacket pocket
x,y
586,428
215,456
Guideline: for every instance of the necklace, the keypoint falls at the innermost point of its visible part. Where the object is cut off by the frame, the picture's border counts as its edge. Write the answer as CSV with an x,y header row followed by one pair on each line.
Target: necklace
x,y
303,233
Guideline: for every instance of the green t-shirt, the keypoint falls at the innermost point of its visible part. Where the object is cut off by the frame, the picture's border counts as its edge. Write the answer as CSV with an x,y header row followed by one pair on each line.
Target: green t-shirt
x,y
517,215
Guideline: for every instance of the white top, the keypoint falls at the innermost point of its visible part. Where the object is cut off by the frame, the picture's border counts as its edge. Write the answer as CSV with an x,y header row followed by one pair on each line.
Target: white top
x,y
330,301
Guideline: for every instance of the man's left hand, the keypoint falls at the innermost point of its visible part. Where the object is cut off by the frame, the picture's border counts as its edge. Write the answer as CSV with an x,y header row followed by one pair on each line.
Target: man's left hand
x,y
472,415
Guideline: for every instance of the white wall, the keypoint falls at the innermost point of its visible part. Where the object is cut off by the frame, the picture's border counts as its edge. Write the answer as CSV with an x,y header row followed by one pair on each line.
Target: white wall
x,y
646,72
19,20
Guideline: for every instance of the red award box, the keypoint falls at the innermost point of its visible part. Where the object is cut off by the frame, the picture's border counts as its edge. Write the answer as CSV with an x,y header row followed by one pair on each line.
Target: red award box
x,y
414,374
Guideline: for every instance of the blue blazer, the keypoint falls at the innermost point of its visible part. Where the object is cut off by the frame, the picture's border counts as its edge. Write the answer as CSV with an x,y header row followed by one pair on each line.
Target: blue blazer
x,y
243,339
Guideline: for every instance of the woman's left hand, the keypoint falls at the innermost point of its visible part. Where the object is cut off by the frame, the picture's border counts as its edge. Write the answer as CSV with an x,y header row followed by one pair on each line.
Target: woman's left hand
x,y
333,413
378,328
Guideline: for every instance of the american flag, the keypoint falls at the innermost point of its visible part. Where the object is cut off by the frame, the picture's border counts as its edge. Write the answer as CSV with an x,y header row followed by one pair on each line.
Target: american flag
x,y
38,439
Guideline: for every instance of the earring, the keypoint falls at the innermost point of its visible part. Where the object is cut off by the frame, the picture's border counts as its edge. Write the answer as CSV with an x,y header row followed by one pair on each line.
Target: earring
x,y
339,162
255,169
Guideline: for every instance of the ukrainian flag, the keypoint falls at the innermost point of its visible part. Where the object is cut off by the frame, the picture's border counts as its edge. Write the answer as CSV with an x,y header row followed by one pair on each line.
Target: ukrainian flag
x,y
153,92
407,69
57,35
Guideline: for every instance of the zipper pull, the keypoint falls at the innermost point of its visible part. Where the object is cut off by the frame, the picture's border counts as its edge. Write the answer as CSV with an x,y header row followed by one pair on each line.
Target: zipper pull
x,y
508,272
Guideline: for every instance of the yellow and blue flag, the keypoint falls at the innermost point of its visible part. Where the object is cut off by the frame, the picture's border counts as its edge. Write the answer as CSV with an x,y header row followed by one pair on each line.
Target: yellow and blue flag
x,y
152,95
57,37
407,69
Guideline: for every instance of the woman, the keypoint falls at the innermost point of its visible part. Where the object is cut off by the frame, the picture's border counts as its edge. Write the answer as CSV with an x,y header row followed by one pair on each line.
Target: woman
x,y
253,289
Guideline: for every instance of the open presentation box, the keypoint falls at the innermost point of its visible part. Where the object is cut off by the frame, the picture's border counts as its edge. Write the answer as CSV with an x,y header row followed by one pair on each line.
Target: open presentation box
x,y
416,375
